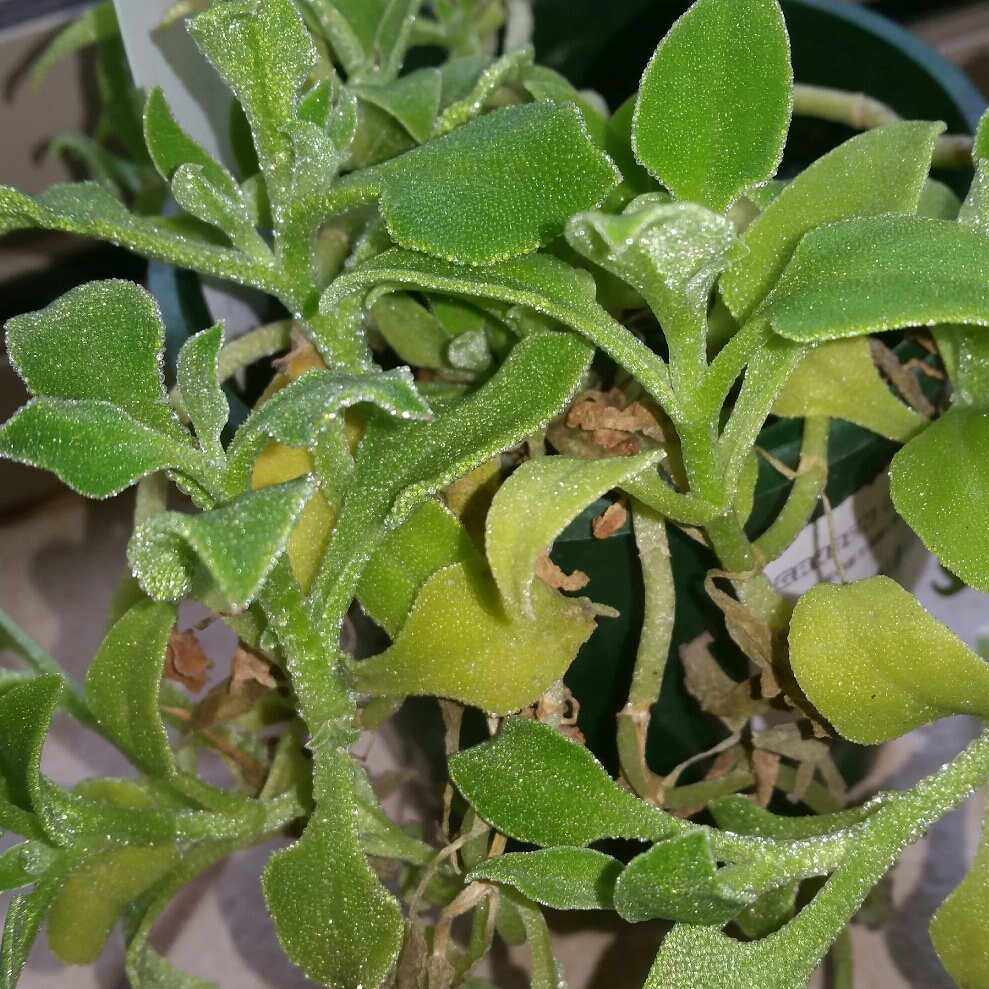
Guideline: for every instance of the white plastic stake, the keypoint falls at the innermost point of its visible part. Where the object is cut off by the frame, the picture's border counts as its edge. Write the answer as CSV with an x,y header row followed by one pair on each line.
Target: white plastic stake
x,y
169,58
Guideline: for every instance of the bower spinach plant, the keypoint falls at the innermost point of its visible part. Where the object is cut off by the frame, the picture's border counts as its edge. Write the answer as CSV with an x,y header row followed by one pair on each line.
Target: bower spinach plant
x,y
484,223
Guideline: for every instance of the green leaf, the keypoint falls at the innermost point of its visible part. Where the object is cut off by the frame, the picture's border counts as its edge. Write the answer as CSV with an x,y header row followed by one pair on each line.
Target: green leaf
x,y
459,642
678,880
200,392
714,104
537,281
123,682
391,37
379,834
561,878
113,326
741,816
233,547
939,201
672,254
880,171
400,466
475,172
324,883
146,969
411,330
413,100
24,864
94,896
298,414
578,801
25,714
94,25
838,379
201,199
433,538
881,273
958,928
965,353
535,505
940,485
94,447
877,665
25,915
264,53
981,148
171,148
88,209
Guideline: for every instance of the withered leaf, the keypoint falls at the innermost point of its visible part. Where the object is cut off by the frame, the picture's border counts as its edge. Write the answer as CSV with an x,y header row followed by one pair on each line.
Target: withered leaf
x,y
250,677
750,633
549,572
606,525
186,662
765,768
735,703
246,666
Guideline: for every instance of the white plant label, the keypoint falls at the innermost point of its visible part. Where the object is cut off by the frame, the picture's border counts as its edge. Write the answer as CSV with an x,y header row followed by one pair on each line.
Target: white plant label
x,y
168,57
869,537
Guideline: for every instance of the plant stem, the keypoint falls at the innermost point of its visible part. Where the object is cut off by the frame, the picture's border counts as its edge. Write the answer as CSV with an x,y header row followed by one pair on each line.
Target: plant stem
x,y
152,497
73,699
654,647
265,341
843,968
864,113
808,486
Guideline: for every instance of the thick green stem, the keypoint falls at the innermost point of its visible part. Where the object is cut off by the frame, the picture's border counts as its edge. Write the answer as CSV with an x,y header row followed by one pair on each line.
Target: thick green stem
x,y
809,485
265,341
654,646
864,113
152,497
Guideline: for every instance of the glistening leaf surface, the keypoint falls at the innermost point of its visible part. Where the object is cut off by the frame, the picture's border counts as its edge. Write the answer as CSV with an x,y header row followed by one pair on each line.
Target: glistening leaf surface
x,y
200,391
877,665
433,538
324,884
94,447
25,713
714,104
89,904
492,189
940,485
264,53
881,273
237,545
958,928
678,880
538,281
535,505
838,379
123,682
399,467
880,171
103,341
459,642
578,803
298,414
561,878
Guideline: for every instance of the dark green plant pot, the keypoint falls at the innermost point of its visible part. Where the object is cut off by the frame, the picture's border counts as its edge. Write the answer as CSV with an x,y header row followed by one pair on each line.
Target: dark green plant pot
x,y
605,45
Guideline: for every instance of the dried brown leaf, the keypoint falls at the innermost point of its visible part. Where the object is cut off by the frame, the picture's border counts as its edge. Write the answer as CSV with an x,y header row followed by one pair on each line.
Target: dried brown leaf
x,y
546,570
750,633
765,768
249,666
606,525
716,692
905,382
186,662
